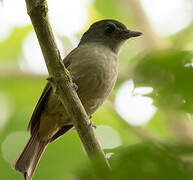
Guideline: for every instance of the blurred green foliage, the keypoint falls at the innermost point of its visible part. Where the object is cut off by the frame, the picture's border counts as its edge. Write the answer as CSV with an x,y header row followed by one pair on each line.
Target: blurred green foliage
x,y
151,151
145,161
10,49
170,73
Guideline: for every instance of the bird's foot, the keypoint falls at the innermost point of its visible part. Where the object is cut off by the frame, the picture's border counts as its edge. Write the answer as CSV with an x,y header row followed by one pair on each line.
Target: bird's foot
x,y
92,125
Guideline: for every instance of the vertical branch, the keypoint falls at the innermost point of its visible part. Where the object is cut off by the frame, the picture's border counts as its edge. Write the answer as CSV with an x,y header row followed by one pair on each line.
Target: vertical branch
x,y
61,80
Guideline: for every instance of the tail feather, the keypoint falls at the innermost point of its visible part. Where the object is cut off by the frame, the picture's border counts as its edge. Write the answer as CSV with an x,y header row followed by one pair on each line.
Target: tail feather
x,y
30,156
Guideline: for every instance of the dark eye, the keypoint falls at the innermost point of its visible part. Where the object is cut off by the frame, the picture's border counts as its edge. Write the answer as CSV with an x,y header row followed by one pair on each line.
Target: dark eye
x,y
110,28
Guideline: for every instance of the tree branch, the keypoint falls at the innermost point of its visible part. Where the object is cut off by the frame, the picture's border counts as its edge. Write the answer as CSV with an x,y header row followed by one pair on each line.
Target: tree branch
x,y
61,80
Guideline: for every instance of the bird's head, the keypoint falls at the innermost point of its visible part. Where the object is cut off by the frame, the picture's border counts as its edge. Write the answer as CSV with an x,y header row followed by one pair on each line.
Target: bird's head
x,y
110,33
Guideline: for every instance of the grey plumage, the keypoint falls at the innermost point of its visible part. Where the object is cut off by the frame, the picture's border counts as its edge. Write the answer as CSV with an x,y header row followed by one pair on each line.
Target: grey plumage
x,y
93,66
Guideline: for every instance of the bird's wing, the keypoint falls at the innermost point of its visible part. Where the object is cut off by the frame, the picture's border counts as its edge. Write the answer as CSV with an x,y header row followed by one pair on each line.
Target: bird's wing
x,y
34,121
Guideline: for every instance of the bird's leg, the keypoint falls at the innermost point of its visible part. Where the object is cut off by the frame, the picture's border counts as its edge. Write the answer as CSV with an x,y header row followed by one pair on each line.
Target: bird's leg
x,y
92,124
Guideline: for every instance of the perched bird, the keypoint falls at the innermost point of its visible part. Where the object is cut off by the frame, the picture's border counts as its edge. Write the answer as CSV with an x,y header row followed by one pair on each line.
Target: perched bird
x,y
93,65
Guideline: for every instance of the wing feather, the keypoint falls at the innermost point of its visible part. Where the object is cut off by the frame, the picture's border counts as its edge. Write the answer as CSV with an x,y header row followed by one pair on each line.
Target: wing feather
x,y
34,121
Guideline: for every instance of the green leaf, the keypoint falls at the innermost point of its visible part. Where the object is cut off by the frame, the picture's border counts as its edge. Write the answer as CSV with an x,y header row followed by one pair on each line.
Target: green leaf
x,y
170,73
145,161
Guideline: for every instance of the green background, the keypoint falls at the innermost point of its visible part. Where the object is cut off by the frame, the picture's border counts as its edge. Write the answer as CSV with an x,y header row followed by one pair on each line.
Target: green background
x,y
160,149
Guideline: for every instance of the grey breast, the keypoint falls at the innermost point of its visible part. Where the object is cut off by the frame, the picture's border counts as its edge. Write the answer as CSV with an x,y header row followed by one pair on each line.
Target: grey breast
x,y
94,69
95,75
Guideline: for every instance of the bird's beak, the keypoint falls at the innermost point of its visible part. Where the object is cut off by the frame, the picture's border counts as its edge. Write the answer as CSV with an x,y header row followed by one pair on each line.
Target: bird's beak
x,y
129,34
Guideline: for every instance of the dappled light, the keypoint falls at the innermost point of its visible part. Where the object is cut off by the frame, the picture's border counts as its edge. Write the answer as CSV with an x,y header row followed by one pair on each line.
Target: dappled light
x,y
68,17
132,106
12,17
168,17
6,109
13,144
108,137
32,58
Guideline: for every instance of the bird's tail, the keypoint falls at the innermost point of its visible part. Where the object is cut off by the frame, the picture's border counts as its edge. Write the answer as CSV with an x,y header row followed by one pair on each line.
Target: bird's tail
x,y
29,158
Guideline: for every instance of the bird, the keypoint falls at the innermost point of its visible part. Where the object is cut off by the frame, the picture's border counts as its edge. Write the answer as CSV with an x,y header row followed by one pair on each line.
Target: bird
x,y
93,66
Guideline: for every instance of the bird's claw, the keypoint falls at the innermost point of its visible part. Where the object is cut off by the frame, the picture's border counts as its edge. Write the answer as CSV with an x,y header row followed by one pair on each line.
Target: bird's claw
x,y
92,125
